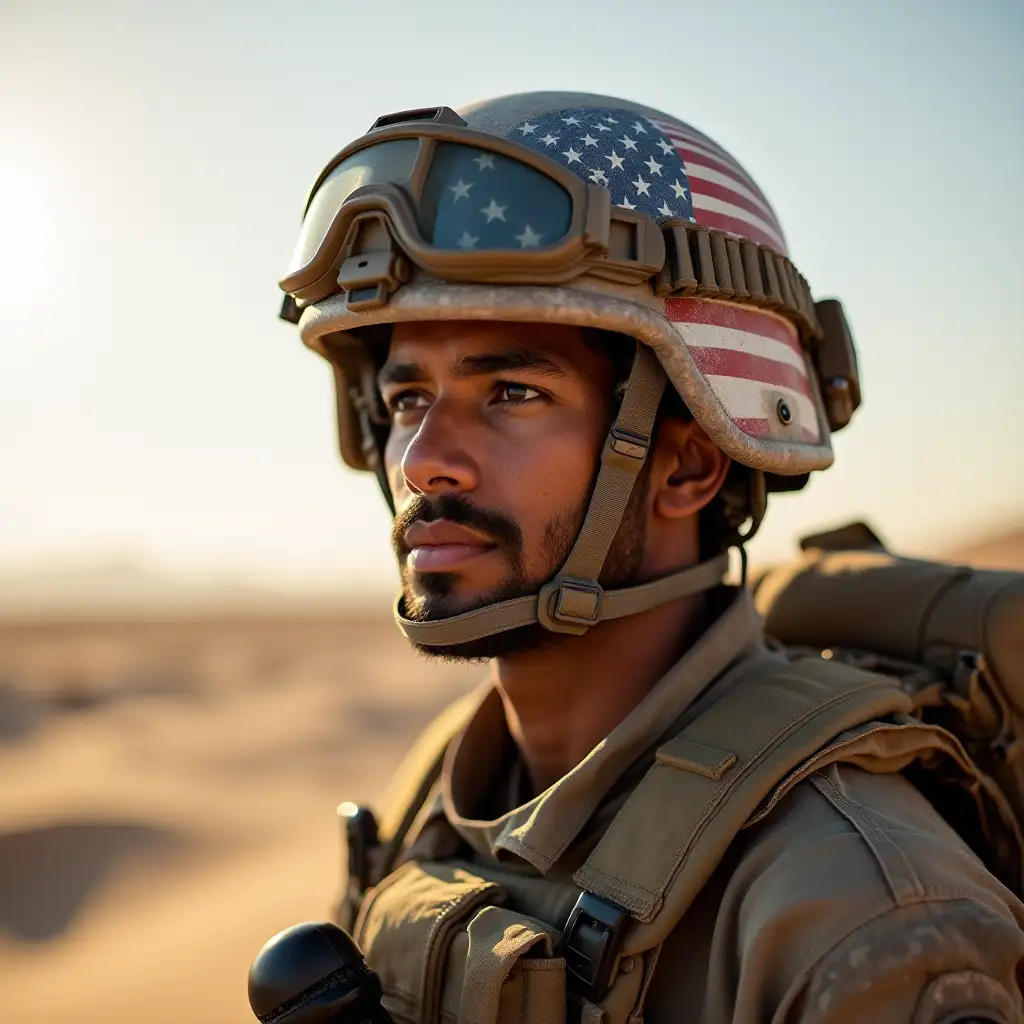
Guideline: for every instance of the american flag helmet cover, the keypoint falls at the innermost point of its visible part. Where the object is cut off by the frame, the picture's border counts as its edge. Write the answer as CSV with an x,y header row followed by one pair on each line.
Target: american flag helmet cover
x,y
745,372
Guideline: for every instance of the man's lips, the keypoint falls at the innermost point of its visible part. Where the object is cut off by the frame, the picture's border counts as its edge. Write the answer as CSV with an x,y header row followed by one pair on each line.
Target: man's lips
x,y
443,545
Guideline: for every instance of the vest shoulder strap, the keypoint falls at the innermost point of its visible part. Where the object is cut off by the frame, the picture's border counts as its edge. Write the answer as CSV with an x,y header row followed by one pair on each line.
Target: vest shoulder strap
x,y
708,781
416,775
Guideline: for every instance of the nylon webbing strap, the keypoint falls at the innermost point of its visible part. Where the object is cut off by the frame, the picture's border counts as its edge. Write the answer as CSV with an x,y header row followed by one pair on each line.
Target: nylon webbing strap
x,y
458,629
697,578
623,457
522,611
670,835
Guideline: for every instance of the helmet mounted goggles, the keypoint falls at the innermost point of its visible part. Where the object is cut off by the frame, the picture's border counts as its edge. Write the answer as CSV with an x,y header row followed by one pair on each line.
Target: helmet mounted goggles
x,y
416,176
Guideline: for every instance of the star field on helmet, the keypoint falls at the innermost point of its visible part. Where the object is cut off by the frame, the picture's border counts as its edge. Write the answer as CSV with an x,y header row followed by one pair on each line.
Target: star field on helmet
x,y
479,200
627,154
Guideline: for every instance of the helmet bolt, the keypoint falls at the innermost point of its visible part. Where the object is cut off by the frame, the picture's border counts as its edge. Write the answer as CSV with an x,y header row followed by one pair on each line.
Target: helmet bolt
x,y
784,411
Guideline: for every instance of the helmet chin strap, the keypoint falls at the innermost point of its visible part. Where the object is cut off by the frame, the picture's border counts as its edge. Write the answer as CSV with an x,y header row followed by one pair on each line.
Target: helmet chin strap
x,y
573,600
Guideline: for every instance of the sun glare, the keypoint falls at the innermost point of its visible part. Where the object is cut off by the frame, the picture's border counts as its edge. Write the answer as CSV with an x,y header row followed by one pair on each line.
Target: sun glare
x,y
26,233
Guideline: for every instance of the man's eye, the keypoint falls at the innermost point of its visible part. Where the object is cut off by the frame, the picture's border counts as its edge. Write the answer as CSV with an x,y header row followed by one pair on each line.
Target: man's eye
x,y
516,394
406,400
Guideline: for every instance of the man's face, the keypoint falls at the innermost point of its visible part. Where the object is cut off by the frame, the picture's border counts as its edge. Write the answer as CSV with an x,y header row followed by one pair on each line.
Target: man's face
x,y
496,433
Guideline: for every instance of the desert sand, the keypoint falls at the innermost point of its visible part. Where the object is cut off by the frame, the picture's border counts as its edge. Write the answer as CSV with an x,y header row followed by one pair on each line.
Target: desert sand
x,y
167,795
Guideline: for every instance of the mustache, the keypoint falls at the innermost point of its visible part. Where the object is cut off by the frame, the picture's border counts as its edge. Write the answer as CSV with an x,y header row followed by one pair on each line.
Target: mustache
x,y
456,508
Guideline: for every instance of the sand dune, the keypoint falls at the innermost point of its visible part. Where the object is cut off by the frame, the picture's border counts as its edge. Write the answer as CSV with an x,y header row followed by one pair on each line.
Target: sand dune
x,y
167,795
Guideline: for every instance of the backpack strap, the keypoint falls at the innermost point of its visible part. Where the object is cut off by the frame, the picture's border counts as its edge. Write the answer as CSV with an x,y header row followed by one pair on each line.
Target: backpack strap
x,y
713,776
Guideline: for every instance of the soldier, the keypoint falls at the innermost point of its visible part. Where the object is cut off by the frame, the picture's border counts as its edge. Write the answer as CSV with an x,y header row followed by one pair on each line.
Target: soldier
x,y
568,339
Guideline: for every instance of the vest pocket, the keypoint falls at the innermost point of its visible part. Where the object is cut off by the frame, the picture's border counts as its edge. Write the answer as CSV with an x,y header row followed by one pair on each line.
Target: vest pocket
x,y
511,975
406,927
447,950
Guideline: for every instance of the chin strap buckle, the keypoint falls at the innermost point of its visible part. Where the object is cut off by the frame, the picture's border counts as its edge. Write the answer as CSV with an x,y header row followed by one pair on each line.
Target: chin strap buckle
x,y
570,605
625,450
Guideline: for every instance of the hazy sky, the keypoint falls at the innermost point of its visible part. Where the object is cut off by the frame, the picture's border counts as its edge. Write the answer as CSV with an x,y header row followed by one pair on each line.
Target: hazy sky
x,y
154,158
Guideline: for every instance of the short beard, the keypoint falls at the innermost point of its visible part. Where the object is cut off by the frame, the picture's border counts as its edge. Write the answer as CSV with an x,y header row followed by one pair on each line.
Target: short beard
x,y
621,568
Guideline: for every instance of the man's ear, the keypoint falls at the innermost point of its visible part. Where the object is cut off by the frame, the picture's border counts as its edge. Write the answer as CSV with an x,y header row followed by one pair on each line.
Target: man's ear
x,y
688,471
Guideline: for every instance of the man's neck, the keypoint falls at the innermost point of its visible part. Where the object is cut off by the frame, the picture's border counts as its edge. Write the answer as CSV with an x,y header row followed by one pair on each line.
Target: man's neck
x,y
562,700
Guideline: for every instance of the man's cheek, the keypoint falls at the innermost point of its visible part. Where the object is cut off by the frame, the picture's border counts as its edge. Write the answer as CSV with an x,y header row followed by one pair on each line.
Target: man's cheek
x,y
394,453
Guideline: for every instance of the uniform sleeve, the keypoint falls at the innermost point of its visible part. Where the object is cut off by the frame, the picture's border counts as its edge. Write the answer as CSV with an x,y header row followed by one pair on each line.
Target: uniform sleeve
x,y
936,962
858,903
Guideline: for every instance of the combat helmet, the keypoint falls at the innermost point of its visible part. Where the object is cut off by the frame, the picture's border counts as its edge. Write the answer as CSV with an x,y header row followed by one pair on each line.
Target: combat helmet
x,y
591,211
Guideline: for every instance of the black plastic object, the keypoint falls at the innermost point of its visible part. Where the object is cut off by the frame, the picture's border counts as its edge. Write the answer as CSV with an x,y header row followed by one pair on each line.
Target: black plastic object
x,y
361,840
314,973
591,944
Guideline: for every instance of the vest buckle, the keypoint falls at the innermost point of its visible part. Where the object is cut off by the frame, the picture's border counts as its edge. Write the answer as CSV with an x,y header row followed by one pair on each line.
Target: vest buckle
x,y
591,943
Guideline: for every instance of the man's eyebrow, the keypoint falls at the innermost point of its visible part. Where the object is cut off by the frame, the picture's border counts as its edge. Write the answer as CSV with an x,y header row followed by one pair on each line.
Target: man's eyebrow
x,y
510,359
477,365
401,373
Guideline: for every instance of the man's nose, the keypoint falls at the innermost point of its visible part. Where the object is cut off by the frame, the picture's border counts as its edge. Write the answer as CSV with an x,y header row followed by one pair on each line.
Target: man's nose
x,y
437,460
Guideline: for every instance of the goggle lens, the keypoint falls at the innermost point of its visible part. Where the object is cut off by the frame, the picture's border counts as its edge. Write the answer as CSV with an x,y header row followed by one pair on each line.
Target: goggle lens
x,y
386,163
472,199
475,199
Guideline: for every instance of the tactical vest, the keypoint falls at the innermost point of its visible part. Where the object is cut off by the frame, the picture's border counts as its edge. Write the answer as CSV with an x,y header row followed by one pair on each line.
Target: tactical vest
x,y
458,941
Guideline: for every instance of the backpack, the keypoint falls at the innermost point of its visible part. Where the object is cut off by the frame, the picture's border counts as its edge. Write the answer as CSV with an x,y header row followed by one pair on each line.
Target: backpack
x,y
953,636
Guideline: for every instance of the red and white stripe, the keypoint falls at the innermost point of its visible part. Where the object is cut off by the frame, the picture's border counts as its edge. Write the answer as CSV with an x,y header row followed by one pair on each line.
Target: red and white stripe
x,y
750,359
724,195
